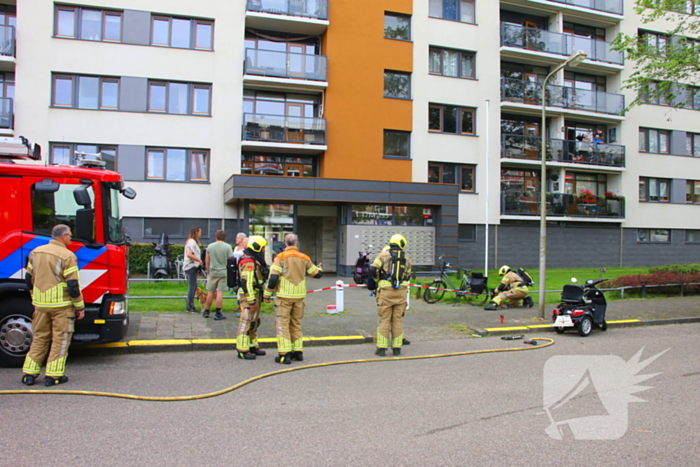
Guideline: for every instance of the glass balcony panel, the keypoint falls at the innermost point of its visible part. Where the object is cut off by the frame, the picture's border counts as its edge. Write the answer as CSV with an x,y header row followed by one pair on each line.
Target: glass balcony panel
x,y
7,40
6,112
560,150
513,35
284,128
527,203
608,6
286,65
317,9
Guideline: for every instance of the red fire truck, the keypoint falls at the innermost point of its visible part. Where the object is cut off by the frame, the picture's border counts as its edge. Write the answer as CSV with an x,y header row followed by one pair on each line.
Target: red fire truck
x,y
34,198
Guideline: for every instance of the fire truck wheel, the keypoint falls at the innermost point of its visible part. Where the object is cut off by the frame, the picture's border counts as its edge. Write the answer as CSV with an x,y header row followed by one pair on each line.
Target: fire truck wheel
x,y
15,331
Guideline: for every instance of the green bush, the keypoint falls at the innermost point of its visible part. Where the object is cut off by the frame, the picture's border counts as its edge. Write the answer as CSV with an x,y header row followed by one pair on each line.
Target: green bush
x,y
677,268
140,254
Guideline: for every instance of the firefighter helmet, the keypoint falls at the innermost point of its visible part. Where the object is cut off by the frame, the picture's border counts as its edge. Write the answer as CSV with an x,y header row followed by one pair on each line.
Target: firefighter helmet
x,y
504,270
398,240
256,243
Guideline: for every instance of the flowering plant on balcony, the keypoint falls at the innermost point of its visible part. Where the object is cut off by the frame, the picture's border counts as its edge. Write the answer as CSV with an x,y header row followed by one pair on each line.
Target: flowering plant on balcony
x,y
586,196
614,196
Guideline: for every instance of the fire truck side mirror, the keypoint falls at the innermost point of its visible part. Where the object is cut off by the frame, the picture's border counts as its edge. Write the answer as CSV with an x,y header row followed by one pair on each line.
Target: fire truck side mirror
x,y
81,195
129,193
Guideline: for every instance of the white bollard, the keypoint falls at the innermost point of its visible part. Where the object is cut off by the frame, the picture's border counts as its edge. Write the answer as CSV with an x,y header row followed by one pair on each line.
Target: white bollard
x,y
339,297
408,298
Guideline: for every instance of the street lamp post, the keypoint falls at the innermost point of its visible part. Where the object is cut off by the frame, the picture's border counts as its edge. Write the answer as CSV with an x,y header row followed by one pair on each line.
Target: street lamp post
x,y
573,60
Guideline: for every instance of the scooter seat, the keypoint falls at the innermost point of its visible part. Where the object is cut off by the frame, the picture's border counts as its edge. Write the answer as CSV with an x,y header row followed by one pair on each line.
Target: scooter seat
x,y
572,294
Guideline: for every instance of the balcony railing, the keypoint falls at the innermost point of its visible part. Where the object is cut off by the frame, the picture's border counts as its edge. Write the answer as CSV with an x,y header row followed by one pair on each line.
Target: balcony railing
x,y
562,150
513,35
317,9
286,65
7,40
517,90
284,129
608,6
526,203
7,114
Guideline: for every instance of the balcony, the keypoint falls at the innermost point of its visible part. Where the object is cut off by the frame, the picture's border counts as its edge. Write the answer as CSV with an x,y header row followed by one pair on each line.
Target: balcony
x,y
608,6
7,115
7,41
519,203
317,9
562,150
273,64
525,92
539,40
284,129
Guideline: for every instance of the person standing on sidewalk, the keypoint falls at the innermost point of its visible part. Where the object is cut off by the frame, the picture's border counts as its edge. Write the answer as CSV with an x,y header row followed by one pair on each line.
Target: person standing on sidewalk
x,y
250,266
53,278
288,282
393,269
217,254
191,265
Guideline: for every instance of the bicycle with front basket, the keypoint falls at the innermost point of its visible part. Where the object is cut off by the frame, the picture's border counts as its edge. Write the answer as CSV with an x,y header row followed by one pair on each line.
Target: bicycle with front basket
x,y
473,286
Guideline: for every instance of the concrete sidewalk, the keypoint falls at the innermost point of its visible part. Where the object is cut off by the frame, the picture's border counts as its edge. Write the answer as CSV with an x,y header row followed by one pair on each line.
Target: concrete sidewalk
x,y
154,331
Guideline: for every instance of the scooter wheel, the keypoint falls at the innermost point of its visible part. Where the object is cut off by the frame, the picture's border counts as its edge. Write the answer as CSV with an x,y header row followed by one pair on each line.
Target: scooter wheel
x,y
585,326
604,325
559,329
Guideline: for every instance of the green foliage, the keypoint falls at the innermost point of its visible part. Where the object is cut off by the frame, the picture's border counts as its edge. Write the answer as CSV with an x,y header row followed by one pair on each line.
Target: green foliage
x,y
140,254
678,268
659,66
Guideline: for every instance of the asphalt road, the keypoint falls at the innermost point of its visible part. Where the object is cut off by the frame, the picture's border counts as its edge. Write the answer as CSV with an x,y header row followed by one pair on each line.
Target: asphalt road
x,y
477,410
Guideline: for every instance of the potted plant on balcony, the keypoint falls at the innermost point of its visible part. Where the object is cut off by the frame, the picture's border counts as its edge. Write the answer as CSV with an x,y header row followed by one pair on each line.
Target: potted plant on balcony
x,y
586,197
612,196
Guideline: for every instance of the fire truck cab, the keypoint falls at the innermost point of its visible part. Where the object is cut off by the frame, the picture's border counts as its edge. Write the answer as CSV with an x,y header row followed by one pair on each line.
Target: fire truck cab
x,y
37,197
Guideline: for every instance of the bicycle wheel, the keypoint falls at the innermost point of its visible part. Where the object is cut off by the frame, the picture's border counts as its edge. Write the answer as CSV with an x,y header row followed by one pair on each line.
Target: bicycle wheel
x,y
434,294
473,298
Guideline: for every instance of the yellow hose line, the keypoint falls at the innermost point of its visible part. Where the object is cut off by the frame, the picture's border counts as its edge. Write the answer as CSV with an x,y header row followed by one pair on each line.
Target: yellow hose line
x,y
278,372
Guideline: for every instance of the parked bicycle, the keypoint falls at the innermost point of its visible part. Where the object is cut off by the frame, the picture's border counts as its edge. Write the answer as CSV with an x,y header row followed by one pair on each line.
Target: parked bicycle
x,y
473,286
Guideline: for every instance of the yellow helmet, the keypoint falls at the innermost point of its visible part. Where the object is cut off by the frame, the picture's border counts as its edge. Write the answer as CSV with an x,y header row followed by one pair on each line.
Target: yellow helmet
x,y
398,240
504,270
256,243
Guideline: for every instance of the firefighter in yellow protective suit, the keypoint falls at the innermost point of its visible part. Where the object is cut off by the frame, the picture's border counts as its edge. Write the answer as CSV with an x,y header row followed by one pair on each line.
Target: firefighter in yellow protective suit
x,y
512,289
252,267
288,282
393,269
52,275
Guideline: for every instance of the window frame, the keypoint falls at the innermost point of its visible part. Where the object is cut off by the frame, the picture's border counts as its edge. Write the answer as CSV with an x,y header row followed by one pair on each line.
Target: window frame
x,y
655,184
392,14
462,230
458,11
397,73
696,233
654,133
191,88
189,152
694,140
78,22
692,191
75,86
460,71
645,235
459,122
438,169
193,39
407,134
71,147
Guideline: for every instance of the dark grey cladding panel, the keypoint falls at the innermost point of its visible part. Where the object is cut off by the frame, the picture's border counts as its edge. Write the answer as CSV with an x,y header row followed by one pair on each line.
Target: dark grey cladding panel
x,y
137,27
449,209
427,188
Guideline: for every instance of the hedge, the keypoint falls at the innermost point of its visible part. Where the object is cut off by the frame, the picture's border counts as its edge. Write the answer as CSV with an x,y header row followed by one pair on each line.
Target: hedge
x,y
140,254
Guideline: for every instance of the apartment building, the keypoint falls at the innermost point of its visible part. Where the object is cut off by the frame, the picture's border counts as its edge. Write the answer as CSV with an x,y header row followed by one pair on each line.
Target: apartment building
x,y
345,122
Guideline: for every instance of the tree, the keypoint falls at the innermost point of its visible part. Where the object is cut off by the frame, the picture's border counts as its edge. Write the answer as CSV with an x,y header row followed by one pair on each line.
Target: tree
x,y
664,61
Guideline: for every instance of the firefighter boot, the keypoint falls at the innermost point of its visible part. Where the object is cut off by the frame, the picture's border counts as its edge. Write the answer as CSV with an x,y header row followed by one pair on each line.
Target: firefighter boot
x,y
49,381
381,352
256,350
298,355
405,342
28,379
491,306
284,359
396,351
528,302
246,355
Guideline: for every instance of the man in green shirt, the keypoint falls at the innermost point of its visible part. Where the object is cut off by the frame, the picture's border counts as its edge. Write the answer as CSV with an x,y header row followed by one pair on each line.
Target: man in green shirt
x,y
217,254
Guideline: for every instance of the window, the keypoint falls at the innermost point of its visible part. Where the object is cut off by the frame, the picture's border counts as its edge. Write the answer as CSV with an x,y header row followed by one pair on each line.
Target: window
x,y
654,235
656,141
462,175
692,144
174,228
455,10
182,33
68,153
657,93
86,92
457,63
397,144
467,233
177,165
655,190
692,191
88,24
451,119
179,98
382,214
284,166
397,84
692,236
655,42
397,26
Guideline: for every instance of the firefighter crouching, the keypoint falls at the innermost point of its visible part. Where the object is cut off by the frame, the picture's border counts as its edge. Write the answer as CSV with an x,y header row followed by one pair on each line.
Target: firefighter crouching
x,y
288,282
393,268
512,288
52,276
251,266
